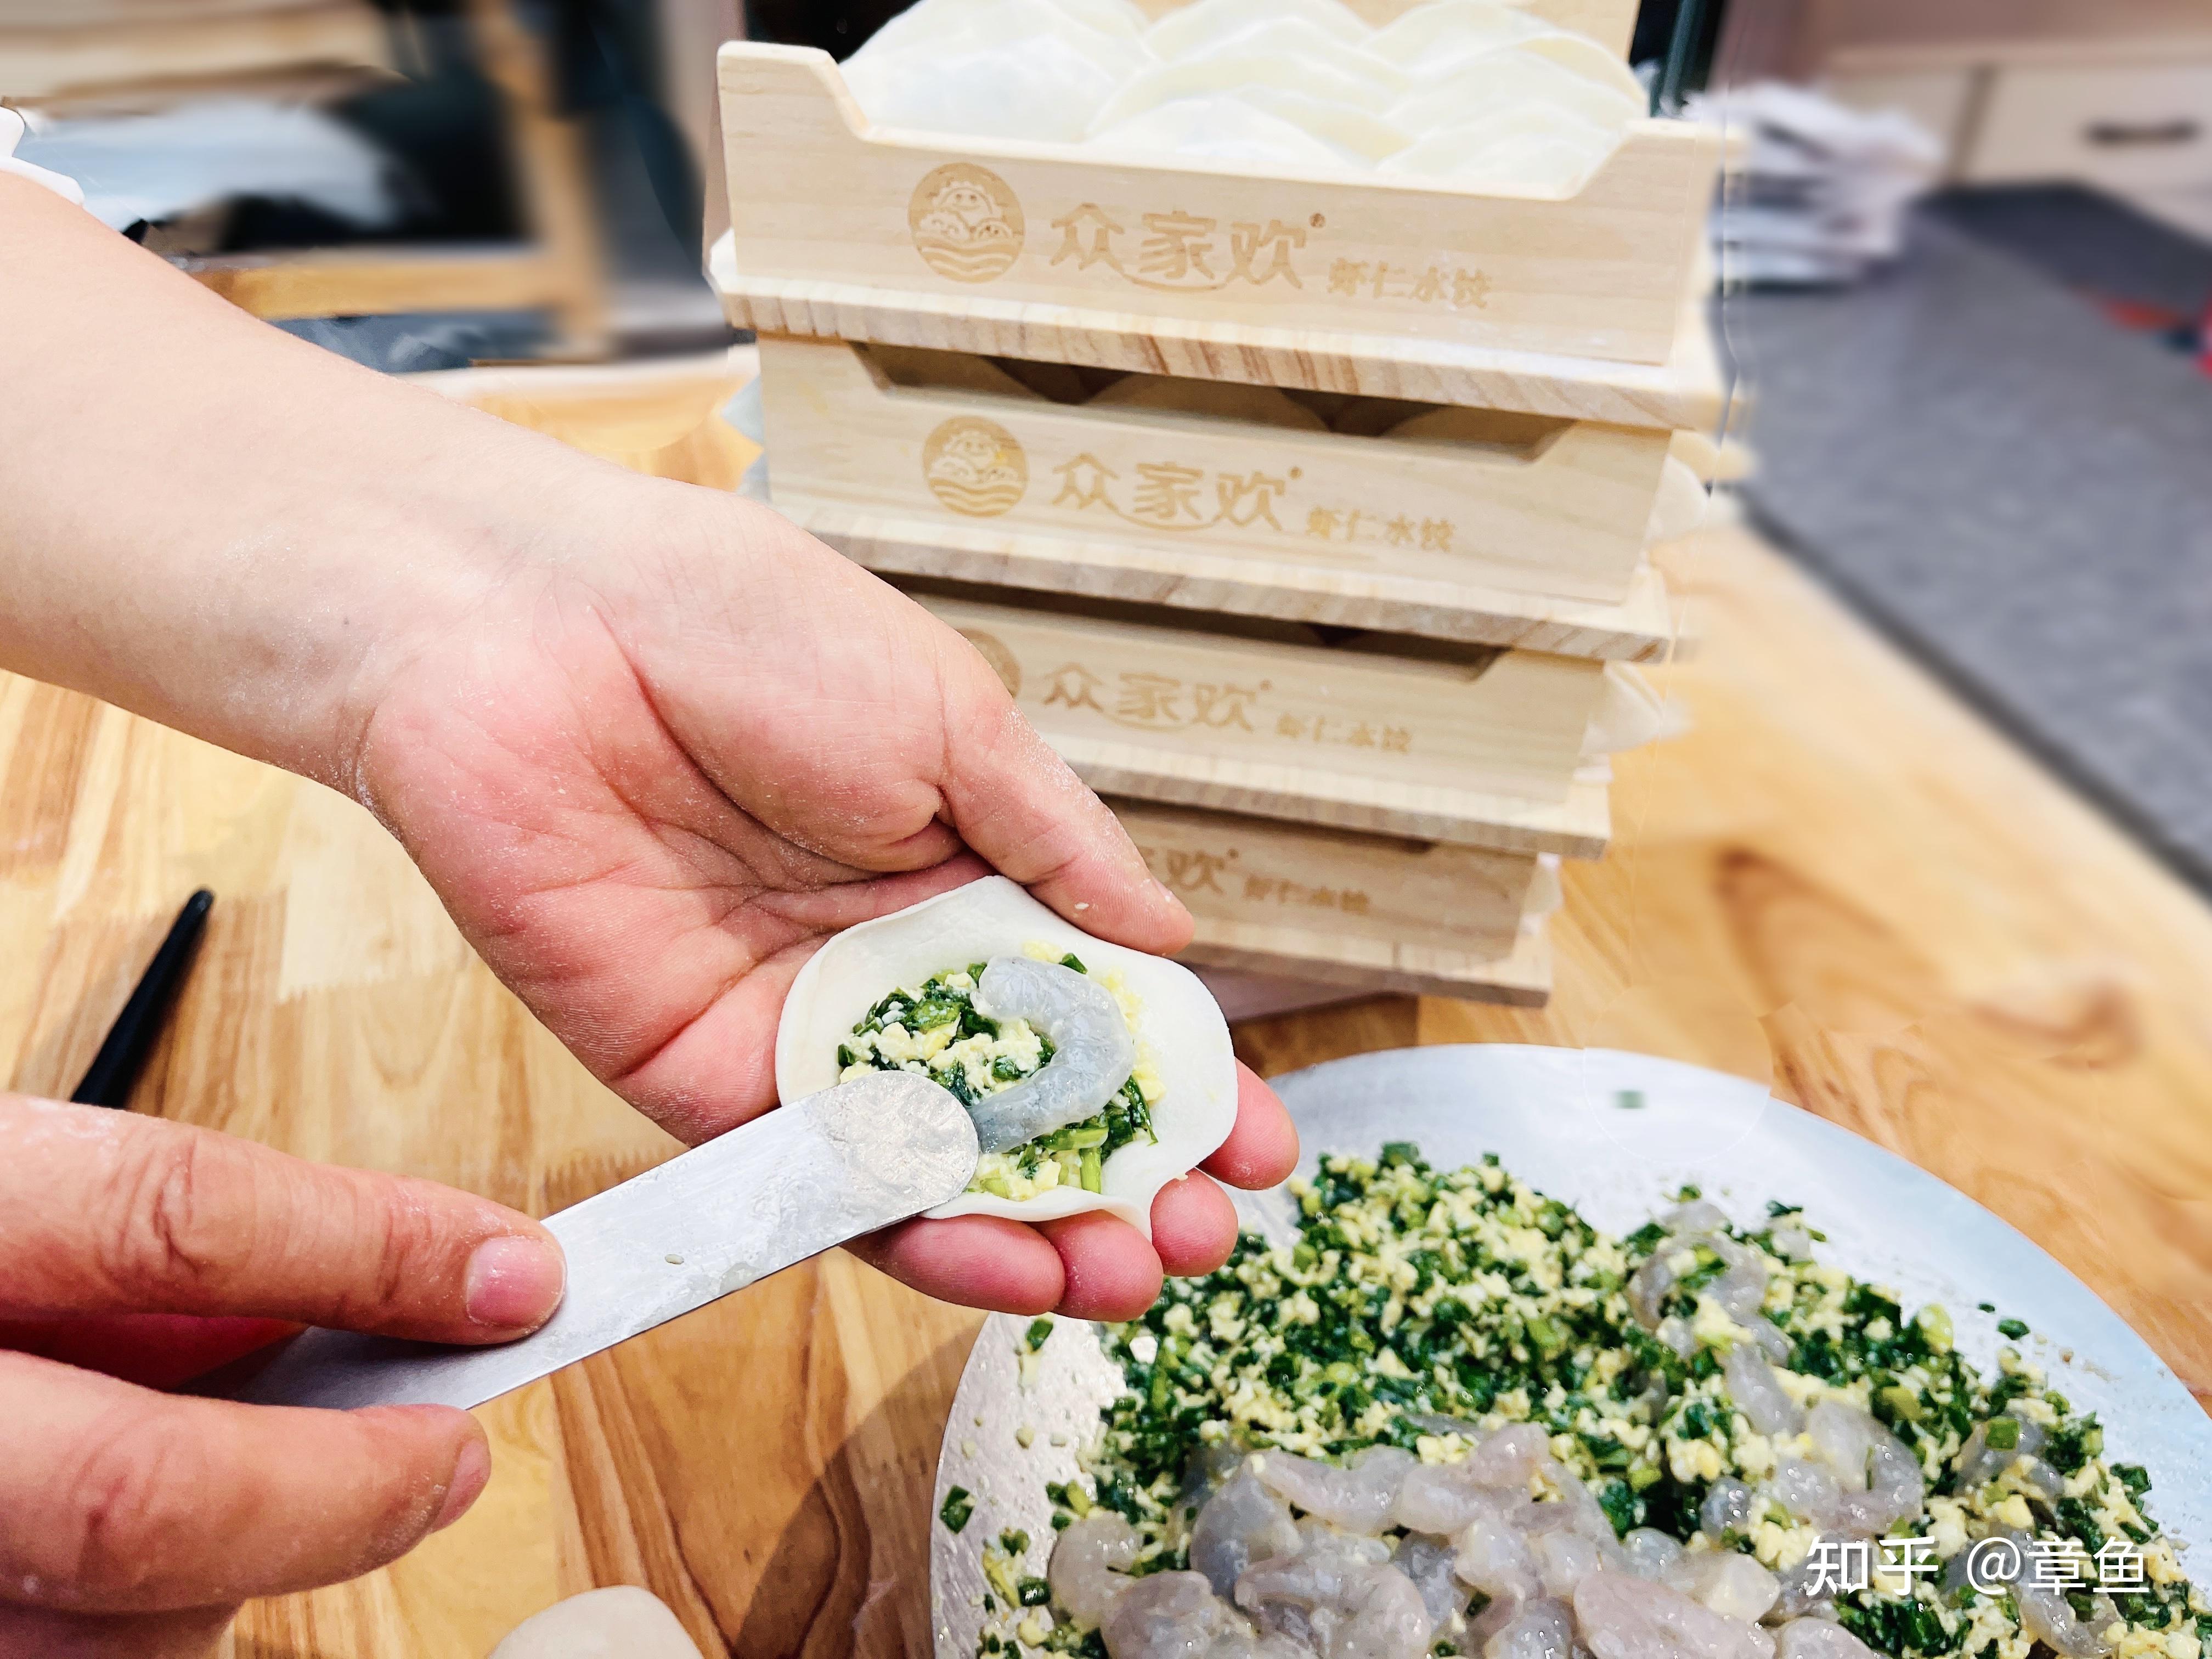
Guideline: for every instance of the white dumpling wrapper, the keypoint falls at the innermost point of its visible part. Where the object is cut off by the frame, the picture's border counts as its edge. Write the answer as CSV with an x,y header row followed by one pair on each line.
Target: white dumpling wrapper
x,y
1180,1031
1428,37
1343,80
1037,86
1629,714
1680,507
1504,78
619,1622
936,19
1529,149
1355,134
1545,895
1586,57
1223,127
1194,27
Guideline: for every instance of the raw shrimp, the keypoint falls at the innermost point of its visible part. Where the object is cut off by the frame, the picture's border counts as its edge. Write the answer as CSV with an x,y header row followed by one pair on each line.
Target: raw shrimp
x,y
2044,1613
1728,1506
1170,1615
1648,1553
1088,1563
1978,1462
1758,1392
1732,1585
1879,1479
1094,1051
1444,1497
1242,1522
1622,1617
1357,1497
1808,1490
1542,1629
1428,1562
1495,1558
1818,1638
1564,1559
1337,1597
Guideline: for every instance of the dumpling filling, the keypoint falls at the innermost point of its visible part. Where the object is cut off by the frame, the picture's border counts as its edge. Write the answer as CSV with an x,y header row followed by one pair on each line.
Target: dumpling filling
x,y
940,1031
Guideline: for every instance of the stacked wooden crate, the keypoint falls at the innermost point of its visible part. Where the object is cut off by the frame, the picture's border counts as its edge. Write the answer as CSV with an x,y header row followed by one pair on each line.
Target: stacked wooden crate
x,y
1303,515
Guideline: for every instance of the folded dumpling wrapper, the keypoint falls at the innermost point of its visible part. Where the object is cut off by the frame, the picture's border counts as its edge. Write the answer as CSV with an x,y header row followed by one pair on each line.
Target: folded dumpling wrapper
x,y
1506,76
1222,126
1195,27
1429,39
619,1622
1179,1029
1679,506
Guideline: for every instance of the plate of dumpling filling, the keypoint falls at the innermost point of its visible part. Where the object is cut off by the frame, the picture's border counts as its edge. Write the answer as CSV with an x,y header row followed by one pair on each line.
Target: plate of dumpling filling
x,y
1548,1353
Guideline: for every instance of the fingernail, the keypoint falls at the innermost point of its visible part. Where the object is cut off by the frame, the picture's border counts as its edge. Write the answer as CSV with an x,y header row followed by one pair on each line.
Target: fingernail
x,y
471,1470
514,1284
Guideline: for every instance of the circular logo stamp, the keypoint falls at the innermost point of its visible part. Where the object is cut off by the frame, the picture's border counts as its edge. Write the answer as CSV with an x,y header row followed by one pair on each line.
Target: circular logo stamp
x,y
966,223
994,651
974,466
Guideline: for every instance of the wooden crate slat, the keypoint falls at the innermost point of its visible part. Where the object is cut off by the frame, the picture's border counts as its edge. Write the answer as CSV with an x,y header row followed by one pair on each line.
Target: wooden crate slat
x,y
1133,496
1374,913
1097,244
1480,756
1684,392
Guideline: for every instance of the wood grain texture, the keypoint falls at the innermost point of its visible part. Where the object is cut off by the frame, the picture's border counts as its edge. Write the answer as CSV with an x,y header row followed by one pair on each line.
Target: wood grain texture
x,y
817,194
1545,509
1479,754
1371,912
1683,392
1838,879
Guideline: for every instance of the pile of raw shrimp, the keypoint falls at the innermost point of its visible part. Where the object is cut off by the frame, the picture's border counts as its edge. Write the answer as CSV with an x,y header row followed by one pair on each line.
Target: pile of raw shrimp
x,y
1454,1420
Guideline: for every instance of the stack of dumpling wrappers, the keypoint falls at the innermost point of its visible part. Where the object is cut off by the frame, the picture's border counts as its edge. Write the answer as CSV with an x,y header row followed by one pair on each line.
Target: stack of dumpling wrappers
x,y
1242,609
1467,89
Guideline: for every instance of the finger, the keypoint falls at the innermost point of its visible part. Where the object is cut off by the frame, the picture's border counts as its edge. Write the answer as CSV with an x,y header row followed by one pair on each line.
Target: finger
x,y
977,1261
1018,804
1262,1148
1112,1273
117,1636
116,1499
104,1212
156,1351
1193,1227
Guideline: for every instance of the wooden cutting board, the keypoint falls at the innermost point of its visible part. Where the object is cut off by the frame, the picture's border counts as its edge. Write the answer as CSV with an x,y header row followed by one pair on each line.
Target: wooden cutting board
x,y
1839,879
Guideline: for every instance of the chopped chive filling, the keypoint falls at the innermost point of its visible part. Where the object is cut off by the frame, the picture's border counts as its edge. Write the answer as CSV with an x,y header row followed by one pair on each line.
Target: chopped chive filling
x,y
936,1030
1413,1295
959,1505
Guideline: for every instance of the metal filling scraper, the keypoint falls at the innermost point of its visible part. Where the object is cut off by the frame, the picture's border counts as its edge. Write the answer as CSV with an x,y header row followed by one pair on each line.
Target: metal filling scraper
x,y
786,1186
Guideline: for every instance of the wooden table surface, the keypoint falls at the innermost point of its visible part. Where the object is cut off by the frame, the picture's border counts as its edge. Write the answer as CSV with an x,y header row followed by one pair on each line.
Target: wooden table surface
x,y
1838,879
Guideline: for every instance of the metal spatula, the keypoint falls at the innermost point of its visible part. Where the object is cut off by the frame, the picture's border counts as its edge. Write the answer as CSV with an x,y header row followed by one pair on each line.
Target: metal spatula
x,y
786,1186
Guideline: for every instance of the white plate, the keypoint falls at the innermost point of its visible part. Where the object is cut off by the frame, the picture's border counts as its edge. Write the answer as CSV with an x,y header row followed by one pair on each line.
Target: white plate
x,y
1555,1117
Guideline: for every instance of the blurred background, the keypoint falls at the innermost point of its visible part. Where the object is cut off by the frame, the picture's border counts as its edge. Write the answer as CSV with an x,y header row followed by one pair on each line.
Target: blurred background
x,y
1967,263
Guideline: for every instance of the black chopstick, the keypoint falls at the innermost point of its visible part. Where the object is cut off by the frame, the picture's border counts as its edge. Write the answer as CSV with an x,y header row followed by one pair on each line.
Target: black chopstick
x,y
115,1068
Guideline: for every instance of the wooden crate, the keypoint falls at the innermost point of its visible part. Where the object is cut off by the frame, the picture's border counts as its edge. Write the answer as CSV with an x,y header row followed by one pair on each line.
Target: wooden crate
x,y
1367,912
1480,752
1534,539
841,229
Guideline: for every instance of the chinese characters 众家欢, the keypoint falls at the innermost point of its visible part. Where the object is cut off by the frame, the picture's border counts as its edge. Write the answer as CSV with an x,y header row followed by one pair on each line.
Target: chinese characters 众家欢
x,y
1147,701
1178,252
1167,494
1848,1565
1193,871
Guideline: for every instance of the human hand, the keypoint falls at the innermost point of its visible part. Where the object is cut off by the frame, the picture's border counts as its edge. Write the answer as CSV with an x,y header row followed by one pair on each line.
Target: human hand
x,y
134,1523
675,746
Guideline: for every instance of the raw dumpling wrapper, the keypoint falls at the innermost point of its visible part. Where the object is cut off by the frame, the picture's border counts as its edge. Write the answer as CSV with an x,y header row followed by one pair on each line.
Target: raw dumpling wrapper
x,y
1223,127
1497,80
1429,38
1195,27
1529,150
1179,1030
619,1622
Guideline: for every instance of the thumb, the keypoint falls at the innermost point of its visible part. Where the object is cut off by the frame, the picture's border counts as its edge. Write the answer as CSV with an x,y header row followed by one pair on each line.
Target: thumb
x,y
1022,809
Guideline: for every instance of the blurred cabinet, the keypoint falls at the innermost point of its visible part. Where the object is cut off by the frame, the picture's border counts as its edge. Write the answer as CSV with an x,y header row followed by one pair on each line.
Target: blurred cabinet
x,y
2127,127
